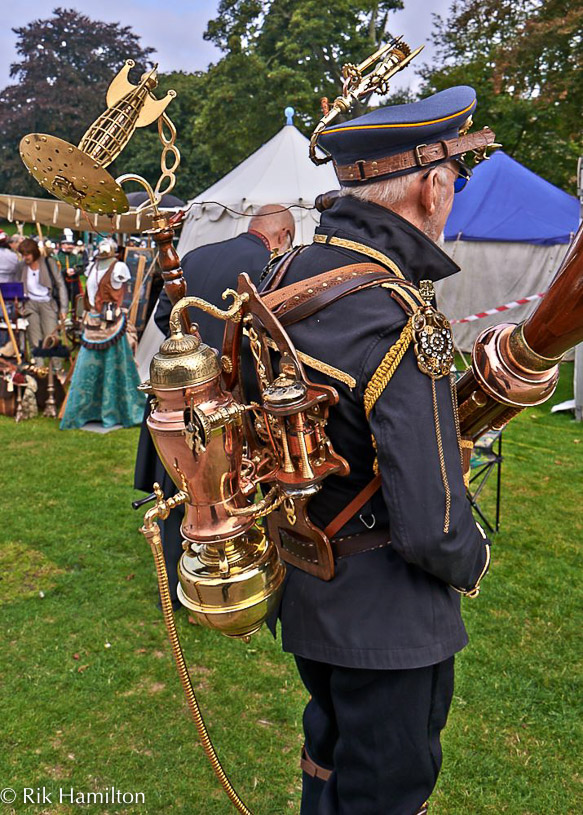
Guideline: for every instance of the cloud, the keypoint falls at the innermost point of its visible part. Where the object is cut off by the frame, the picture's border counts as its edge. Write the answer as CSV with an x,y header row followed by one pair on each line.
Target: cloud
x,y
174,29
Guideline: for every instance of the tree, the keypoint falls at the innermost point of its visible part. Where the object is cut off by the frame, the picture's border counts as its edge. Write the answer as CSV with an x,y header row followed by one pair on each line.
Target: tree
x,y
279,53
525,59
66,64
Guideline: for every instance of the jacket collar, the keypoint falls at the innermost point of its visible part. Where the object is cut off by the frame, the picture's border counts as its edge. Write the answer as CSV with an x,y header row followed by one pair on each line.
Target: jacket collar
x,y
416,255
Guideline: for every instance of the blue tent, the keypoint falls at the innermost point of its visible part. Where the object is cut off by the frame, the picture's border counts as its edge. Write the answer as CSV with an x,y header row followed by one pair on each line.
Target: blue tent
x,y
504,201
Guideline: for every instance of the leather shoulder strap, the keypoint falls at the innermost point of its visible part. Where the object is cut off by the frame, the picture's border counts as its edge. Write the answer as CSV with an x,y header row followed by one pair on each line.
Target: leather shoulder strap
x,y
294,303
272,277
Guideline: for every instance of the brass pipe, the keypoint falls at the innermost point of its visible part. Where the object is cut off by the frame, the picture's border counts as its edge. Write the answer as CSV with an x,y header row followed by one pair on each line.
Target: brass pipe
x,y
232,313
272,501
151,532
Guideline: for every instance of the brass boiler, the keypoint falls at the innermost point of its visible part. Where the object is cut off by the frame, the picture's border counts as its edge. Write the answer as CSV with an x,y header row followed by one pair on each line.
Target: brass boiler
x,y
229,574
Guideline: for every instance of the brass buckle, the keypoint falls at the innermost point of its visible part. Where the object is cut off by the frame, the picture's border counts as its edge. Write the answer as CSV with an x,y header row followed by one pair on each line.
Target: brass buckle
x,y
419,157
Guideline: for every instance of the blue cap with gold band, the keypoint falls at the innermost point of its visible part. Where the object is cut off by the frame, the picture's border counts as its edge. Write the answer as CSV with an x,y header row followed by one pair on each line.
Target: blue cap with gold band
x,y
400,139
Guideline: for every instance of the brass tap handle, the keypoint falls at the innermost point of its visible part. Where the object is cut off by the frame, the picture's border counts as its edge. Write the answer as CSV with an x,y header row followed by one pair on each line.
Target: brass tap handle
x,y
234,312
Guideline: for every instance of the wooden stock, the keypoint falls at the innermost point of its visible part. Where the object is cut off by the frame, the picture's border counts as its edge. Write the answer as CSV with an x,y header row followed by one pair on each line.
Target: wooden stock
x,y
174,282
514,367
556,325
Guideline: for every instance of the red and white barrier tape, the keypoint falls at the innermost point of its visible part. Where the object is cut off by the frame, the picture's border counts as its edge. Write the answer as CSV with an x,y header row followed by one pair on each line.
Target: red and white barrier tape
x,y
505,307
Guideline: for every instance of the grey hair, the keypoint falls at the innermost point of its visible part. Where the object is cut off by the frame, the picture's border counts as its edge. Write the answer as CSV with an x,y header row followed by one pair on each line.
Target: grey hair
x,y
388,191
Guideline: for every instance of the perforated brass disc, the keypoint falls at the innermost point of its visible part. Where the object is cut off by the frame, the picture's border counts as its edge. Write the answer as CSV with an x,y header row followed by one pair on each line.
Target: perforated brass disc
x,y
71,175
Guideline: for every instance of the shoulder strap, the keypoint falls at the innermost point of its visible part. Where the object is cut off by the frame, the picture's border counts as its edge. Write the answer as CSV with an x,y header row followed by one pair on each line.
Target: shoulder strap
x,y
303,299
276,271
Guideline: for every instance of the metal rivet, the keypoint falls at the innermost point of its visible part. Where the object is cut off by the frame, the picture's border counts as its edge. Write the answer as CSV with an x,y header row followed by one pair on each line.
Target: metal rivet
x,y
27,141
324,285
43,138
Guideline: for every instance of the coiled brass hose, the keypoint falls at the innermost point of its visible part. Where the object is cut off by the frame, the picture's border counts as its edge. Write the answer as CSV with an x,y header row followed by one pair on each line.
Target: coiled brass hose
x,y
151,532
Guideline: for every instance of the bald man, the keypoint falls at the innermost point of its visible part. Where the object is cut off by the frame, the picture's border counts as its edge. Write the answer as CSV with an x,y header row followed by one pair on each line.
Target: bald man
x,y
208,271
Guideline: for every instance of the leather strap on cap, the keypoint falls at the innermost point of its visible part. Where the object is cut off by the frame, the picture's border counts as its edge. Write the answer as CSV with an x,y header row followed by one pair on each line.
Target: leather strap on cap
x,y
421,156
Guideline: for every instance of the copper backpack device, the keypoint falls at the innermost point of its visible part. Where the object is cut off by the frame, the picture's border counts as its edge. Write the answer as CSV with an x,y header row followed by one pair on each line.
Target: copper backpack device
x,y
235,461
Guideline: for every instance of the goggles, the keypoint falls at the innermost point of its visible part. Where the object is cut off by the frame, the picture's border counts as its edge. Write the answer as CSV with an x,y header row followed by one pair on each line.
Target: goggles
x,y
464,173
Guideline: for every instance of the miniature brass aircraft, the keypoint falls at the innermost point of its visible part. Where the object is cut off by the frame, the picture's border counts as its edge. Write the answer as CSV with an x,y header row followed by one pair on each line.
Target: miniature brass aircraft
x,y
77,175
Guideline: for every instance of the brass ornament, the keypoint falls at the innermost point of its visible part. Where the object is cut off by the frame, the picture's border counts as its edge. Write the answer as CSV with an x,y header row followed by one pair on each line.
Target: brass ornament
x,y
357,85
78,175
432,337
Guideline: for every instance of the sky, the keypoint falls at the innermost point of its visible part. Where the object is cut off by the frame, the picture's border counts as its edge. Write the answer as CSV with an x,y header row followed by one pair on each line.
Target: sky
x,y
175,29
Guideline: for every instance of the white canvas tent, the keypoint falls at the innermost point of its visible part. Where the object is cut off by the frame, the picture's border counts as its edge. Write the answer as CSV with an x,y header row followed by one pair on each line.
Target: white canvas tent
x,y
508,232
279,172
52,212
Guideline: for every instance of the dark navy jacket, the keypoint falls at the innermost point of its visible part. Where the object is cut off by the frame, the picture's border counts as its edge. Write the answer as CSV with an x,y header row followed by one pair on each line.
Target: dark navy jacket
x,y
208,271
392,607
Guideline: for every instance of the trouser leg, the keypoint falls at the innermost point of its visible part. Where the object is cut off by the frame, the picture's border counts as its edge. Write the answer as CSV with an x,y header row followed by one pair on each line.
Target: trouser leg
x,y
49,322
320,731
172,539
34,330
387,754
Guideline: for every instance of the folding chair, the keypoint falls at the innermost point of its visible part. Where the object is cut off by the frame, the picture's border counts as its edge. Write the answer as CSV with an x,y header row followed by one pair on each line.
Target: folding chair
x,y
486,457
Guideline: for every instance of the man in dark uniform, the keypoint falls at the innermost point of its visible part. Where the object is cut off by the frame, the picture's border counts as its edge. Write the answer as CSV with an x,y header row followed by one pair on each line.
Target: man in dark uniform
x,y
375,645
208,271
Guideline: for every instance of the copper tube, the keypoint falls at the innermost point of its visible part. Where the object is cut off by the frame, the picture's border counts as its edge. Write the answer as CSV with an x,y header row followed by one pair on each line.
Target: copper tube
x,y
151,532
556,325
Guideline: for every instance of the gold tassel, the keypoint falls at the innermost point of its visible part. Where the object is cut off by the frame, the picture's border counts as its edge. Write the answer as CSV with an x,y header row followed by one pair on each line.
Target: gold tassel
x,y
441,458
382,376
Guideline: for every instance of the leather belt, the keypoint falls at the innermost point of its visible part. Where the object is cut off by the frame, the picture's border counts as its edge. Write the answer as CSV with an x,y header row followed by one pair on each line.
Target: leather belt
x,y
362,542
422,156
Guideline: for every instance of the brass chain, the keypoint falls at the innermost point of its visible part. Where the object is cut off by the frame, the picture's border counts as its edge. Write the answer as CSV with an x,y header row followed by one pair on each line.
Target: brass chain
x,y
169,152
256,350
290,510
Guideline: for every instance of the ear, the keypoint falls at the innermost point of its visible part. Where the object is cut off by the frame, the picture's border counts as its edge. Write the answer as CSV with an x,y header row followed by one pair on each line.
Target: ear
x,y
430,193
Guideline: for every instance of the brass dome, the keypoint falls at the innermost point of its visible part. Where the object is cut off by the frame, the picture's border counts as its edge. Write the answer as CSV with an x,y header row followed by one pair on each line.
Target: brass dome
x,y
182,361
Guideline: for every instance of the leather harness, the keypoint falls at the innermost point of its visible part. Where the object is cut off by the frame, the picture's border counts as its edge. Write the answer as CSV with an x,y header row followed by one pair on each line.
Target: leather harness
x,y
293,303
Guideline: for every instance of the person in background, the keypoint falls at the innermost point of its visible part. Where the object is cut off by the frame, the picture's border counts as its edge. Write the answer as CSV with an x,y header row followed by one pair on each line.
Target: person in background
x,y
14,242
104,384
208,271
47,295
8,260
71,266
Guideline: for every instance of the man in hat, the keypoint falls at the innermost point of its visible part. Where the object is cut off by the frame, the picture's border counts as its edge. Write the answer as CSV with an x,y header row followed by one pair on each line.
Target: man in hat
x,y
375,645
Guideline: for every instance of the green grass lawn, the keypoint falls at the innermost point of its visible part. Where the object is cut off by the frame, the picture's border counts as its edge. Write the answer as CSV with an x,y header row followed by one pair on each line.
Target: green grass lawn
x,y
91,699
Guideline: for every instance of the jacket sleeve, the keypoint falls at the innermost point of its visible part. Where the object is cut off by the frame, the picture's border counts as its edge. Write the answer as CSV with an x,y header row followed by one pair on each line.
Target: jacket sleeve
x,y
63,296
419,458
162,313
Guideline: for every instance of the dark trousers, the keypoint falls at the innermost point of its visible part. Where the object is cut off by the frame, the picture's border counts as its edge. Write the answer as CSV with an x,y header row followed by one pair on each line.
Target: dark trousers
x,y
379,733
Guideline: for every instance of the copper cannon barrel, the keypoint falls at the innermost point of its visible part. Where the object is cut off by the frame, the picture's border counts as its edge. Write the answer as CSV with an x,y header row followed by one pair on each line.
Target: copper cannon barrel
x,y
517,366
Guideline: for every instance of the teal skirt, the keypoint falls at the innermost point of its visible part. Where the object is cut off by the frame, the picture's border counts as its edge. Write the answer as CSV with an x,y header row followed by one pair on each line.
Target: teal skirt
x,y
104,389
